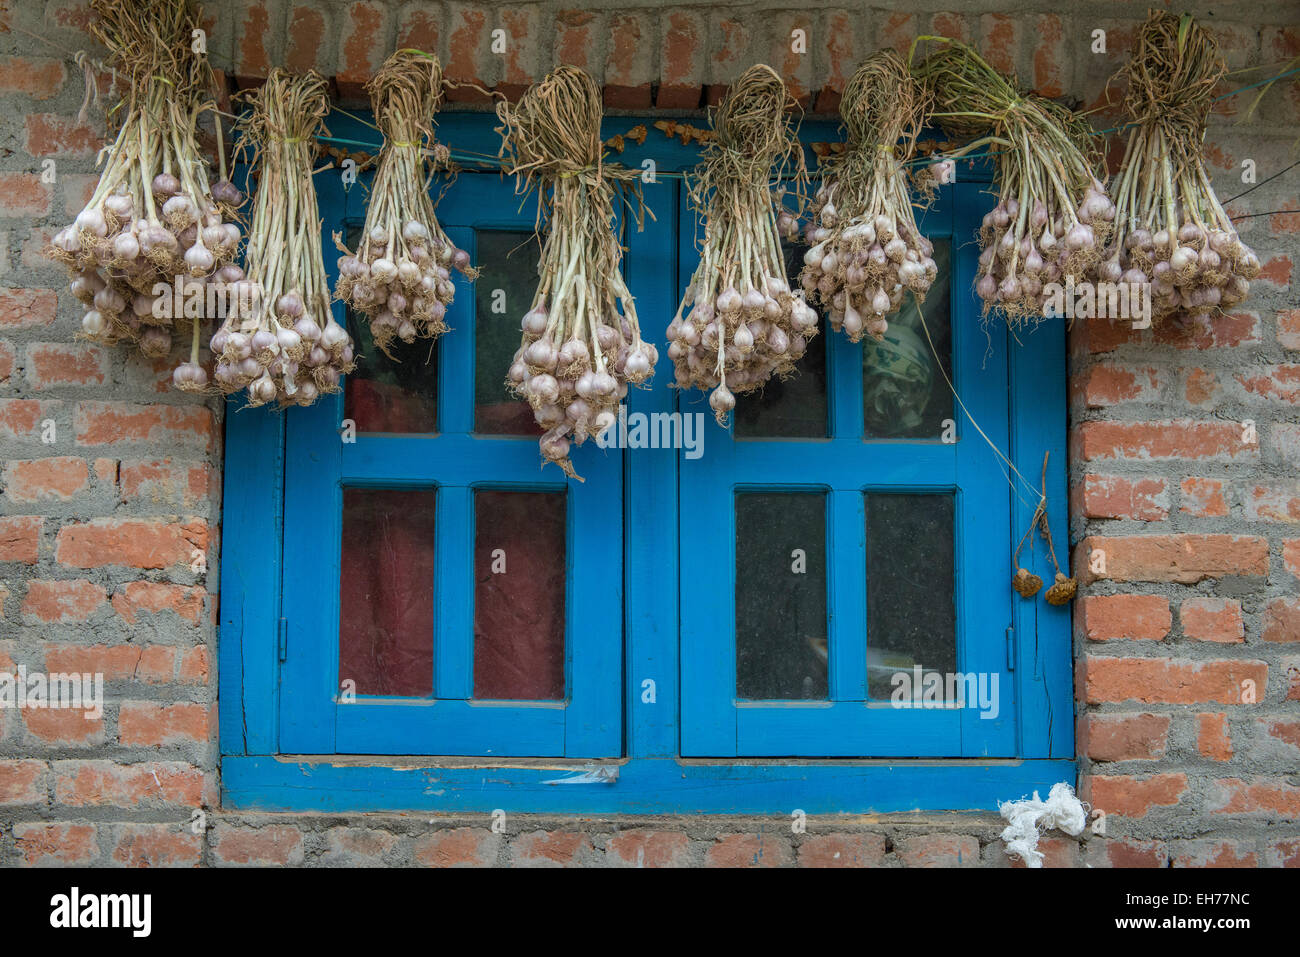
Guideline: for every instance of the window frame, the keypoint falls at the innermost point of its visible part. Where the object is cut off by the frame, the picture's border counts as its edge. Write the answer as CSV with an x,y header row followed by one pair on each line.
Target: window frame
x,y
651,777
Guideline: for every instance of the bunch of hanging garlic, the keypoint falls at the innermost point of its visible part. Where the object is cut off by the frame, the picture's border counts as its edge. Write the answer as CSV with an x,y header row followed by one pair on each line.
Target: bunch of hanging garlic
x,y
1170,227
745,324
866,250
281,342
581,344
399,277
154,234
1053,217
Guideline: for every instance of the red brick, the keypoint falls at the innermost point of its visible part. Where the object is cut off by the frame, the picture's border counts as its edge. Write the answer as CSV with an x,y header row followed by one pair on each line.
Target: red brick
x,y
357,846
1127,737
1280,382
1050,56
1282,620
1291,669
840,35
1285,224
1211,853
22,195
150,664
64,727
728,54
1213,737
629,64
842,850
107,784
156,597
1164,681
53,364
1275,270
194,666
644,847
458,847
1202,387
1288,328
999,38
134,543
551,849
1284,853
1106,385
57,844
1187,559
684,36
1114,496
896,31
163,483
576,40
252,59
38,480
278,845
144,724
20,537
1133,797
519,65
1132,853
158,845
102,423
38,77
24,308
417,29
364,47
307,33
1273,797
22,782
62,602
796,69
77,190
1212,619
749,850
1139,617
51,135
1288,732
1204,498
1224,331
939,850
1273,503
7,357
1181,439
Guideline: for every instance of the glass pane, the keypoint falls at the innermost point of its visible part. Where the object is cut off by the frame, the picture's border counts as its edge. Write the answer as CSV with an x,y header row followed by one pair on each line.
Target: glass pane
x,y
795,407
519,585
911,615
386,591
397,394
503,292
905,395
781,649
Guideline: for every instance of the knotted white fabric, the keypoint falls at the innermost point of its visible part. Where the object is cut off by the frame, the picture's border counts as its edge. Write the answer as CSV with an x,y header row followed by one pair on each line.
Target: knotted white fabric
x,y
1030,817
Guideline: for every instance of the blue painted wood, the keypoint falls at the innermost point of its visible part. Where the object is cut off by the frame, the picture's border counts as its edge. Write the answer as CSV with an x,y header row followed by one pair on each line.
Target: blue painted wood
x,y
643,786
250,579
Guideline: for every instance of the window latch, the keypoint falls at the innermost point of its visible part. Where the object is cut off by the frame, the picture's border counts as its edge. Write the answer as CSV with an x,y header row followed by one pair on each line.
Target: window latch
x,y
282,638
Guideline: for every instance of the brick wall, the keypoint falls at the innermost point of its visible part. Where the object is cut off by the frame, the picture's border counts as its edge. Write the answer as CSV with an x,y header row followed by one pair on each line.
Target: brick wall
x,y
102,518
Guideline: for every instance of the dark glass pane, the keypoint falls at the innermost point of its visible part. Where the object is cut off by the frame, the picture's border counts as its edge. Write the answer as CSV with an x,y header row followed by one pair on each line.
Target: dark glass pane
x,y
905,395
781,649
519,585
396,393
503,292
386,591
794,407
911,615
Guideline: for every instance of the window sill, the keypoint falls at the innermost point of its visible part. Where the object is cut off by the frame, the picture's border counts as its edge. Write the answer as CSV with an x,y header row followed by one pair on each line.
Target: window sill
x,y
629,786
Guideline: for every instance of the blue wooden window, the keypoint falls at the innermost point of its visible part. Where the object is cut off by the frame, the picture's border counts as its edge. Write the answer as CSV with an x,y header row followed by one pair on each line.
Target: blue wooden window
x,y
685,678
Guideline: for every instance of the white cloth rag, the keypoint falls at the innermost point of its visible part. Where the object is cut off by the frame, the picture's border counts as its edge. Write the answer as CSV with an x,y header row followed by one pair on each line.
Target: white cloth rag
x,y
1030,817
